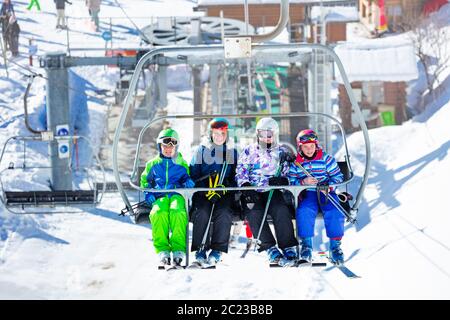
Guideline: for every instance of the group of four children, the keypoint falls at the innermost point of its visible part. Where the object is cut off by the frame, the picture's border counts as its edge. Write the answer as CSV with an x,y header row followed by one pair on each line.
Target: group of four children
x,y
264,163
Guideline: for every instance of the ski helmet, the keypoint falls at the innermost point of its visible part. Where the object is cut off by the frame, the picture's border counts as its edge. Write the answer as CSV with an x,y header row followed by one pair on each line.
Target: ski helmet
x,y
218,123
168,136
167,133
307,136
267,126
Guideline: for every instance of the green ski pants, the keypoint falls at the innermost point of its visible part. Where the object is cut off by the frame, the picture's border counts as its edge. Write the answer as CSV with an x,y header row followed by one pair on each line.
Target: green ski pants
x,y
169,215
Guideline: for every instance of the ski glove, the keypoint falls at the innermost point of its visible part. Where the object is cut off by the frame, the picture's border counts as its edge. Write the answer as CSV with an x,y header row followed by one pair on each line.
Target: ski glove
x,y
213,196
149,198
278,181
287,157
189,183
250,196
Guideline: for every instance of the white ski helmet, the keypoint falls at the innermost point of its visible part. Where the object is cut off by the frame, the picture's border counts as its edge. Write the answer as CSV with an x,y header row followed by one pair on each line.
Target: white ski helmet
x,y
268,125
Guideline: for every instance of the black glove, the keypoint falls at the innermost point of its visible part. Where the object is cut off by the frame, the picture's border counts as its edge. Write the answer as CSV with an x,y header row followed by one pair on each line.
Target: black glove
x,y
278,181
323,186
250,196
213,196
287,157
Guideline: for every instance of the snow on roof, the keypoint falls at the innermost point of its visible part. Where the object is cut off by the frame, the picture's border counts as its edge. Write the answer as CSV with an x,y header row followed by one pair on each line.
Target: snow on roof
x,y
229,2
378,60
335,14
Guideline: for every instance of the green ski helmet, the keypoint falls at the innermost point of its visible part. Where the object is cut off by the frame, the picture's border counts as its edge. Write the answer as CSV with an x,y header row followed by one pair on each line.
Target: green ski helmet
x,y
167,133
168,136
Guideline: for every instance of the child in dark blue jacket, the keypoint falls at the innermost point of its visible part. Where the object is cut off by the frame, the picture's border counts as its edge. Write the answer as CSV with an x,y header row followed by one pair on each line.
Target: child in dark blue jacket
x,y
209,161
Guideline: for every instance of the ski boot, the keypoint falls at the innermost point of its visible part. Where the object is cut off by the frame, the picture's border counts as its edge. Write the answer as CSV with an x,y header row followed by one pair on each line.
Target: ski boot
x,y
178,257
214,257
234,240
336,254
274,255
306,250
164,258
289,257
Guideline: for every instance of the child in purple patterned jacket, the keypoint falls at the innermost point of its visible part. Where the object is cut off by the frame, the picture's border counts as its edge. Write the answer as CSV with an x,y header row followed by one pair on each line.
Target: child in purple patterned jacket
x,y
263,164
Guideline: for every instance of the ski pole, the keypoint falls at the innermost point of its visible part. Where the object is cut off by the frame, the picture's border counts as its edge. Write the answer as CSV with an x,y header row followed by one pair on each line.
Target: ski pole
x,y
341,209
205,235
266,209
134,206
338,206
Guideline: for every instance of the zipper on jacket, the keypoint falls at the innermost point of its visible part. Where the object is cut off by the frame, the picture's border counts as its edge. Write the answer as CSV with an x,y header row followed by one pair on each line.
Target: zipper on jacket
x,y
167,174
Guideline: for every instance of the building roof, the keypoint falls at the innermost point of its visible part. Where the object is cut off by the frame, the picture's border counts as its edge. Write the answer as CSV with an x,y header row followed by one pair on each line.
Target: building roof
x,y
335,14
378,60
241,2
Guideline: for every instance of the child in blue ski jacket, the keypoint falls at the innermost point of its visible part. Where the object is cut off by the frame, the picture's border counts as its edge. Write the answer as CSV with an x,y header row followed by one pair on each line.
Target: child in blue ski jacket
x,y
168,215
322,169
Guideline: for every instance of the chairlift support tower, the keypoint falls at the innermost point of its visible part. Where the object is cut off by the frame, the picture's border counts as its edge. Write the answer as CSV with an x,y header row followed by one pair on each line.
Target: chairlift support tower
x,y
58,111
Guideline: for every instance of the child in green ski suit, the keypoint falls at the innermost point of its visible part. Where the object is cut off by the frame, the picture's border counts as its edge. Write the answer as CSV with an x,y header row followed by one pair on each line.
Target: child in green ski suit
x,y
168,170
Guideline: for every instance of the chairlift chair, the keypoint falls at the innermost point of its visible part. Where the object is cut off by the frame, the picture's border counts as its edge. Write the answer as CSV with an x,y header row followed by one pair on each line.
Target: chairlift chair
x,y
48,201
216,54
245,50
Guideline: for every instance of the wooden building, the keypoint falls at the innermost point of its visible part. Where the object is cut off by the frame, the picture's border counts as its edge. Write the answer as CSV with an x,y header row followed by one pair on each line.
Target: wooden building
x,y
395,11
265,13
379,74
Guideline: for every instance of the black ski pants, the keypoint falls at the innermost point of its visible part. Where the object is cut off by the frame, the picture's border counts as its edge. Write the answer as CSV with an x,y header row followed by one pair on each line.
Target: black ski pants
x,y
282,222
222,217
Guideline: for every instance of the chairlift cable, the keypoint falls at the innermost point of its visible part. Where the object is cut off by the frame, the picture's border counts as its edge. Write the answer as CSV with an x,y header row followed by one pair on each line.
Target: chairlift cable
x,y
131,20
40,75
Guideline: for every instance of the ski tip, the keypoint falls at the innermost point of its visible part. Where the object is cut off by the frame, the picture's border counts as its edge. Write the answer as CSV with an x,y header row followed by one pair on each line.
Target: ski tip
x,y
170,268
274,265
196,265
319,264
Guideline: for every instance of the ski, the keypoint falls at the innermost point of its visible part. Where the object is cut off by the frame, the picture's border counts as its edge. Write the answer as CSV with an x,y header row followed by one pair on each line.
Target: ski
x,y
174,267
169,267
286,263
163,266
305,263
198,265
247,248
298,264
347,272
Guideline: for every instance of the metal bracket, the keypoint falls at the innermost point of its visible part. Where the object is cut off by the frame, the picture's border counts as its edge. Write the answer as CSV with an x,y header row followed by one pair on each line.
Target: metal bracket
x,y
238,47
47,136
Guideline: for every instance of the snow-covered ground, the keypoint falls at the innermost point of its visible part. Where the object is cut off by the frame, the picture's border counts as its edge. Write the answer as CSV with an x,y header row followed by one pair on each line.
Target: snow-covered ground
x,y
400,246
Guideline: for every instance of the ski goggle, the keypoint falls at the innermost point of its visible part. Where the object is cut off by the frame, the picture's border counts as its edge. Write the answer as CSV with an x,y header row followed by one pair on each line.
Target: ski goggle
x,y
265,134
307,139
169,141
222,125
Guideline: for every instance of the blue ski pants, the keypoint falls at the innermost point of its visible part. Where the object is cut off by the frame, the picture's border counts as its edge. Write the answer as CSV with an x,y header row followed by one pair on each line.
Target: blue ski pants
x,y
307,211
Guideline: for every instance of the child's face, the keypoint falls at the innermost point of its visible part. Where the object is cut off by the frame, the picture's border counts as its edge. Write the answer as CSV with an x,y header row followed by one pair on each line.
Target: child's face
x,y
219,136
266,136
168,150
308,149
